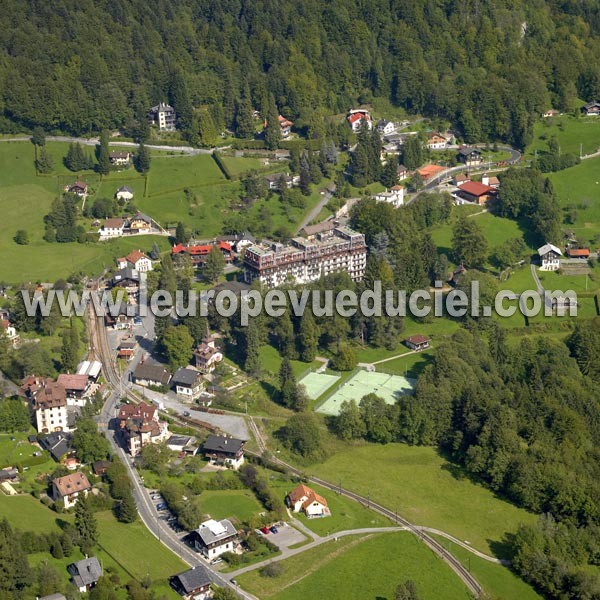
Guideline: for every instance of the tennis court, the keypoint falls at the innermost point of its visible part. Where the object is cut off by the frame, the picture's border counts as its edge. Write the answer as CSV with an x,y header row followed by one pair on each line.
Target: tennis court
x,y
317,383
363,383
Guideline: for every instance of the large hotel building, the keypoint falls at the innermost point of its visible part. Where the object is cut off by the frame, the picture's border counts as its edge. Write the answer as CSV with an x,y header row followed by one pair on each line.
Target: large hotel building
x,y
307,259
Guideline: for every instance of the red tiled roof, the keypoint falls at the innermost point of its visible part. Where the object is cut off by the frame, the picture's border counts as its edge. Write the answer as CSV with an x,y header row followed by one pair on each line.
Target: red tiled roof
x,y
357,116
475,188
299,492
134,256
312,497
73,382
429,171
199,250
69,484
418,339
140,411
578,252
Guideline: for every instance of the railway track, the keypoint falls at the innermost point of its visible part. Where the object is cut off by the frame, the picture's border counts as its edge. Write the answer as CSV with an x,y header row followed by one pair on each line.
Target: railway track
x,y
100,350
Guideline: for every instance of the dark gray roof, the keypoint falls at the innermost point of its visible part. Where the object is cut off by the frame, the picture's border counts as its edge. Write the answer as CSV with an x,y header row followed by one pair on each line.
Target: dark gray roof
x,y
125,188
465,151
125,274
185,377
8,474
152,372
85,572
57,443
220,443
181,440
214,531
192,579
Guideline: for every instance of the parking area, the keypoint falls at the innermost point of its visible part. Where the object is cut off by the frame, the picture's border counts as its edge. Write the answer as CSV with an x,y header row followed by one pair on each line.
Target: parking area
x,y
286,536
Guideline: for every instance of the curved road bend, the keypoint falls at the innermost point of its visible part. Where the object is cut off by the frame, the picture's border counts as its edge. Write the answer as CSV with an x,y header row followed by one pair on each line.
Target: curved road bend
x,y
100,350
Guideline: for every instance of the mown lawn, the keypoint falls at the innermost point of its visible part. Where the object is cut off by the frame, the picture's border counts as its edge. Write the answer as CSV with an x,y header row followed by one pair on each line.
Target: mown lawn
x,y
14,452
134,548
579,188
345,514
26,513
356,569
227,504
238,166
570,133
410,365
427,490
498,581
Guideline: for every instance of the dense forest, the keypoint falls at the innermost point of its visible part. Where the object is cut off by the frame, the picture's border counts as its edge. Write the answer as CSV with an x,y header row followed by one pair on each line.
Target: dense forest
x,y
490,66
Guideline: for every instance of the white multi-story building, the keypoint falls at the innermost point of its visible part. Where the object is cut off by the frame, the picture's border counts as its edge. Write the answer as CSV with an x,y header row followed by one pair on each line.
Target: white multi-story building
x,y
308,259
163,116
393,196
48,402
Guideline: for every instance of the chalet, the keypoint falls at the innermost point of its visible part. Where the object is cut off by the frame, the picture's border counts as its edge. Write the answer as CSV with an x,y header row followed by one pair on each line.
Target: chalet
x,y
305,499
70,488
124,193
79,188
461,178
470,156
207,355
550,257
58,444
385,127
475,192
120,159
139,426
126,349
85,573
193,584
183,444
9,474
582,253
279,181
224,451
163,116
591,109
550,113
48,403
76,388
112,228
127,279
417,342
436,141
119,317
100,467
199,253
151,375
490,180
393,196
188,383
90,368
239,241
286,127
401,172
135,260
214,538
10,332
140,223
359,116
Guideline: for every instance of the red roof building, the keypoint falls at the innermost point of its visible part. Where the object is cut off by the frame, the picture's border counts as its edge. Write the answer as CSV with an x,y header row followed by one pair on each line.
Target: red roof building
x,y
199,253
474,191
578,252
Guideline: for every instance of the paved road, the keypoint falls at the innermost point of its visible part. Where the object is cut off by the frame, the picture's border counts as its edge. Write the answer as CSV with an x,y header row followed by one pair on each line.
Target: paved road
x,y
96,141
314,213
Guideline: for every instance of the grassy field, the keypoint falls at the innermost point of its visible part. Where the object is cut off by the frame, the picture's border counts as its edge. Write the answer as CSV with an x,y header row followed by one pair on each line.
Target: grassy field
x,y
345,514
25,512
14,452
410,365
426,489
498,581
239,166
579,188
359,569
227,504
570,133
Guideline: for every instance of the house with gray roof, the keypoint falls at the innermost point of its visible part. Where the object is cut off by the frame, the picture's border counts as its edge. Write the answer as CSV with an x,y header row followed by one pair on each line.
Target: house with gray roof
x,y
85,573
151,375
214,538
188,383
224,451
58,444
193,584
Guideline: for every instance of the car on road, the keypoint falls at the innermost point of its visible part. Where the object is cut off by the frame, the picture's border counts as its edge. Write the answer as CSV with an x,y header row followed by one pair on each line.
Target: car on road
x,y
264,530
273,529
186,413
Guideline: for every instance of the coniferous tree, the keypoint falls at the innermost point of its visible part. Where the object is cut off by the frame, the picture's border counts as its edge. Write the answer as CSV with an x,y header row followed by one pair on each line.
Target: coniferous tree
x,y
389,173
308,337
86,525
142,159
244,122
38,137
103,154
215,263
252,362
273,129
15,573
127,510
44,163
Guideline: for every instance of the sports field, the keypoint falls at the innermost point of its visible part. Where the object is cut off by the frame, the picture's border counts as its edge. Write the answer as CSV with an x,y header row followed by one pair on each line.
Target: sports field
x,y
363,383
317,383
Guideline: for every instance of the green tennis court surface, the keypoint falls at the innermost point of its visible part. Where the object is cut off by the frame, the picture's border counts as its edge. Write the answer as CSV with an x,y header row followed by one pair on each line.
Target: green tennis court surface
x,y
317,383
383,385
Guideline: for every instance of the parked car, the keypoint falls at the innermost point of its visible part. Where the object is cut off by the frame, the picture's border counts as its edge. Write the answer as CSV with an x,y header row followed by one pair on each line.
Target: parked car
x,y
264,530
273,529
216,561
137,321
156,497
161,506
186,413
